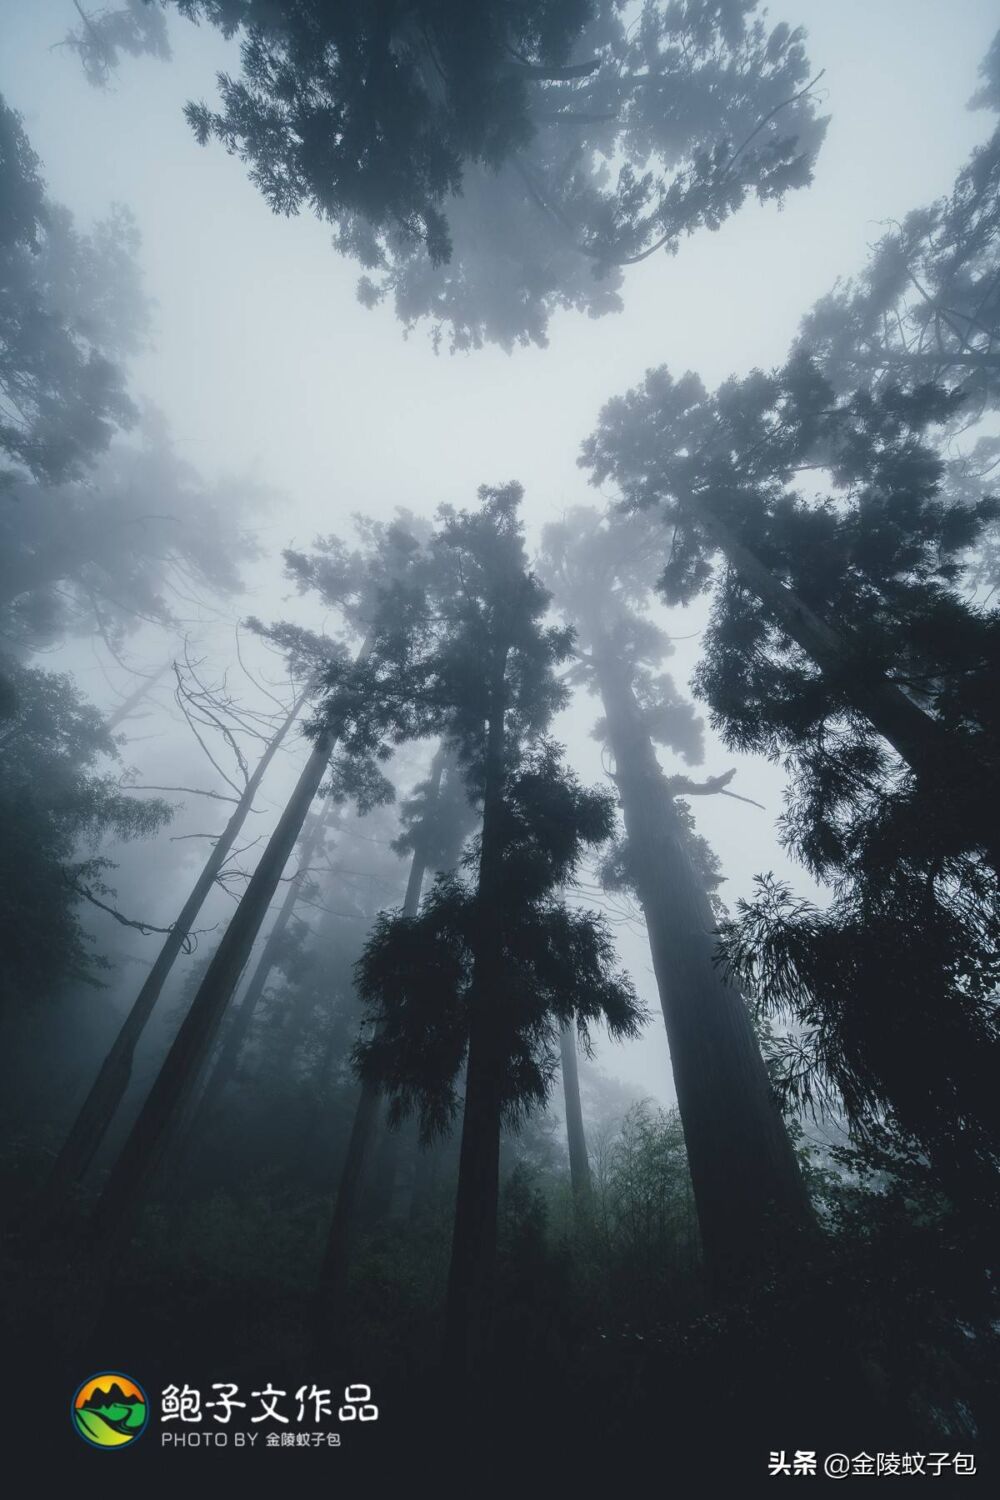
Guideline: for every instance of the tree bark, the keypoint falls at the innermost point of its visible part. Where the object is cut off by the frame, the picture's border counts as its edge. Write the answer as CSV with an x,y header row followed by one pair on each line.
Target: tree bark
x,y
579,1162
112,1081
469,1305
198,1030
748,1189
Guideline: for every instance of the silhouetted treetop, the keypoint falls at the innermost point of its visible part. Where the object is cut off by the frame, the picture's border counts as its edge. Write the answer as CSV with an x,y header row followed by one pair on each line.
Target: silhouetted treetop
x,y
415,976
926,306
741,454
137,28
487,164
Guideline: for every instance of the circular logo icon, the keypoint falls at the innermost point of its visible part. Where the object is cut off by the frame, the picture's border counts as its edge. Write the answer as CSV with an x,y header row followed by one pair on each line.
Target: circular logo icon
x,y
110,1410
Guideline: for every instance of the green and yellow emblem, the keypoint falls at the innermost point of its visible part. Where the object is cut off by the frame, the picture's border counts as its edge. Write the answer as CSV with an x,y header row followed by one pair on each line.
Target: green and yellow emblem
x,y
110,1410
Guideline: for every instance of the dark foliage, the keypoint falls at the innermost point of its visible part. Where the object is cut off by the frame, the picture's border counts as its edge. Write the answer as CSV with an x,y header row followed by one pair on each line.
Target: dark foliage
x,y
137,28
926,306
71,310
898,1019
487,164
416,974
892,995
881,553
58,803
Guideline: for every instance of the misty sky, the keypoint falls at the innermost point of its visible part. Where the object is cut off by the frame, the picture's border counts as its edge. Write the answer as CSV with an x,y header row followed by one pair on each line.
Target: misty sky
x,y
264,363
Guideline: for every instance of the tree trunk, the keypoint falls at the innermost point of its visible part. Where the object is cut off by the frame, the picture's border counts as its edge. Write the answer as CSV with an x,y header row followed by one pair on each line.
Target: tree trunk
x,y
112,1081
236,1033
579,1162
200,1026
336,1260
380,1189
747,1185
935,753
426,1168
469,1305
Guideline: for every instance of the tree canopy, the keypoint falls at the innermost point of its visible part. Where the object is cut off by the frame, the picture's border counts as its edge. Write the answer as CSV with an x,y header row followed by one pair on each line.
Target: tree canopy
x,y
71,311
487,165
139,541
60,799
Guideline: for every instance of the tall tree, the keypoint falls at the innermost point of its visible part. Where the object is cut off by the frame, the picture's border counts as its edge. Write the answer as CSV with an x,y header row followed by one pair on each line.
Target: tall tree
x,y
360,584
367,793
241,1018
878,555
747,1185
489,164
910,662
111,1084
290,1107
492,967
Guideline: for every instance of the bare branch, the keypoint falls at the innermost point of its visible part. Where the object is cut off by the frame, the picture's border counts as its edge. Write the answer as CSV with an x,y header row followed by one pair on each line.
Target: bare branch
x,y
714,786
146,928
197,791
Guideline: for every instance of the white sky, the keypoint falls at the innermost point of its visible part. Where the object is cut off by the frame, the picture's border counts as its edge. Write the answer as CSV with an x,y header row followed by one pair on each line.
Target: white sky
x,y
264,362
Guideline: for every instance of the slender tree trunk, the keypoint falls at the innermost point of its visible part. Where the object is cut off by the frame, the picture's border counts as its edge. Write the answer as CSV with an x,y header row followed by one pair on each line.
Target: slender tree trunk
x,y
198,1030
935,753
381,1188
579,1162
469,1306
426,1169
313,1130
748,1189
336,1260
111,1083
238,1029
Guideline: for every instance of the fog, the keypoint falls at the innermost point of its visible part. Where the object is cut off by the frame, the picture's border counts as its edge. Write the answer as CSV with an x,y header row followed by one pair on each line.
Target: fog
x,y
265,364
819,572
